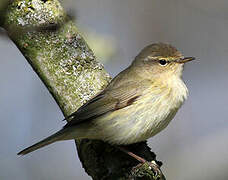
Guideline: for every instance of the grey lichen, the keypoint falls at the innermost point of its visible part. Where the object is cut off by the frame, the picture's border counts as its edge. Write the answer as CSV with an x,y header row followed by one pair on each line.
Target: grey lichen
x,y
35,12
59,55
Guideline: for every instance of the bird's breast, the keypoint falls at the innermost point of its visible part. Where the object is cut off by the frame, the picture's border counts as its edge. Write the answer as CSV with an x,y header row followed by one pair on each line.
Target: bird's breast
x,y
147,116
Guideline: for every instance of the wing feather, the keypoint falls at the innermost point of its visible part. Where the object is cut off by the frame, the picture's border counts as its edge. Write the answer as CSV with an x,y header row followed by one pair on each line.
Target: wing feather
x,y
110,99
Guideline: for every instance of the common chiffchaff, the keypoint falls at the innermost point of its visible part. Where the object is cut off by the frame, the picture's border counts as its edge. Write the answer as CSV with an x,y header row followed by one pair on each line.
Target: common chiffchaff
x,y
137,104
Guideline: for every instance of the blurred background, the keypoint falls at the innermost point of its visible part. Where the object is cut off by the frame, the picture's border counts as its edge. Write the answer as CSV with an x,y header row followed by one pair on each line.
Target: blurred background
x,y
193,146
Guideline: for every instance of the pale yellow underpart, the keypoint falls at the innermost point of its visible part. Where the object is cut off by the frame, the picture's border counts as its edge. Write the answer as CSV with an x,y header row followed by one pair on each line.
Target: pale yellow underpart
x,y
146,117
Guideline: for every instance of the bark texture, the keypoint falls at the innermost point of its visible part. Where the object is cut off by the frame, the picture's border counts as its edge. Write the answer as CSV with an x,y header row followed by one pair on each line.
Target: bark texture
x,y
51,43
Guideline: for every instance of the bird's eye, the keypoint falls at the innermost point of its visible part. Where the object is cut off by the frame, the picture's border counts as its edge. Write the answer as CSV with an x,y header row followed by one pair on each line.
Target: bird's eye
x,y
163,62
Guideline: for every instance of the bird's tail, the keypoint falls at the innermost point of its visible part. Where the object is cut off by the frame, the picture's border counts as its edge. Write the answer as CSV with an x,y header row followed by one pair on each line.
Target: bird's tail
x,y
60,135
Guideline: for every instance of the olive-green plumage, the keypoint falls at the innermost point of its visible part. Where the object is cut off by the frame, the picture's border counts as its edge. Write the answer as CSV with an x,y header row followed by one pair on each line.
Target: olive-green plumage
x,y
137,104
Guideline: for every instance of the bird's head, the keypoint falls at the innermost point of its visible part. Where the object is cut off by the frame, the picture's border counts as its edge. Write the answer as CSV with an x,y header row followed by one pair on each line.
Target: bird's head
x,y
160,59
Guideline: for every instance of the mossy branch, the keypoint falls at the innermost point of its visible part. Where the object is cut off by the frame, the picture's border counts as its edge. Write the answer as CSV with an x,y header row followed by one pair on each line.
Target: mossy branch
x,y
51,43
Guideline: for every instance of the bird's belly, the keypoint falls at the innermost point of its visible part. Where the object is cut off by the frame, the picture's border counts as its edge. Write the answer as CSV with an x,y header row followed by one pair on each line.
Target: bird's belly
x,y
137,122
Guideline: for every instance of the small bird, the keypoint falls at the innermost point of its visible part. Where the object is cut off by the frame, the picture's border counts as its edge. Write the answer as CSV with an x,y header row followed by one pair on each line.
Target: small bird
x,y
136,105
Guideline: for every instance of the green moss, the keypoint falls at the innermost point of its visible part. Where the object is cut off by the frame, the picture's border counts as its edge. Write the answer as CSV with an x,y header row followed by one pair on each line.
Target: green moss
x,y
61,57
34,12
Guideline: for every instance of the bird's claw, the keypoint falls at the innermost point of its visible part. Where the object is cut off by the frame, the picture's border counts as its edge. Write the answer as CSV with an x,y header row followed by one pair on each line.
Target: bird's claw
x,y
153,166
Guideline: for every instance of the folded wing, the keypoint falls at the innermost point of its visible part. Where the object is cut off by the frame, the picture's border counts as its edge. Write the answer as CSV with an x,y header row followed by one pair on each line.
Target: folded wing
x,y
114,97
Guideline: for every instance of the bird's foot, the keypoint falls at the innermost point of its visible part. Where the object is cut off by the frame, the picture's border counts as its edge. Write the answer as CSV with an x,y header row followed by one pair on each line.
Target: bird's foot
x,y
147,170
153,166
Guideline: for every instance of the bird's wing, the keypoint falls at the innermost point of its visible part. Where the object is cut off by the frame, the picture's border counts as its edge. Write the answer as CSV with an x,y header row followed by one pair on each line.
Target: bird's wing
x,y
114,97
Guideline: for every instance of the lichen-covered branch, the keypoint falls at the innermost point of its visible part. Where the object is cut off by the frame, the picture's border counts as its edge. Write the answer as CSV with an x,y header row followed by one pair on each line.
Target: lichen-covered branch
x,y
58,53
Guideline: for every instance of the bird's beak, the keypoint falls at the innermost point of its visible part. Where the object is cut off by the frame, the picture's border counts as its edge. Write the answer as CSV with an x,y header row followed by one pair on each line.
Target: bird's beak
x,y
186,59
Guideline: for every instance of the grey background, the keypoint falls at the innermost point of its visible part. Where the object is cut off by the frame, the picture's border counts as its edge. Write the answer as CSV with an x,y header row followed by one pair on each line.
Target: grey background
x,y
193,146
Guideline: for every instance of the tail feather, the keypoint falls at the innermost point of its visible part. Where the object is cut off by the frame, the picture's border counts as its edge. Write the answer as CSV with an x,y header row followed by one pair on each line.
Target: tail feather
x,y
49,140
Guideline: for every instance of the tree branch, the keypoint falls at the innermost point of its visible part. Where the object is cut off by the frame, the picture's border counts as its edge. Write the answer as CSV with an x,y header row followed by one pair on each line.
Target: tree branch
x,y
51,43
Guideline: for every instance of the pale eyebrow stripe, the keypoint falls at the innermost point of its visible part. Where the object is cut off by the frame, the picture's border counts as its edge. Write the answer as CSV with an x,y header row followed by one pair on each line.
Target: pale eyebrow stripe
x,y
160,58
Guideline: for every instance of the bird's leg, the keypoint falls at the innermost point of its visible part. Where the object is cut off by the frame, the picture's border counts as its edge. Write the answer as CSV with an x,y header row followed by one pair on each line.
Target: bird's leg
x,y
138,158
154,166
